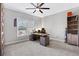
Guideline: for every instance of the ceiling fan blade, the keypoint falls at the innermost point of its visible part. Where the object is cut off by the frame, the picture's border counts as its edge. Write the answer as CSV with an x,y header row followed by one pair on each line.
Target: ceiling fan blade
x,y
30,8
44,8
40,11
40,5
37,4
34,11
34,5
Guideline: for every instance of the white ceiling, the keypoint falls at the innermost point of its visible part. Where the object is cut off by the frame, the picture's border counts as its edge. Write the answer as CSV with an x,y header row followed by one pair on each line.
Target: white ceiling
x,y
54,8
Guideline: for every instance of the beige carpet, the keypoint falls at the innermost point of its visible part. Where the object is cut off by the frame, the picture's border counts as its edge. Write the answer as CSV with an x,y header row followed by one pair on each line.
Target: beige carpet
x,y
33,48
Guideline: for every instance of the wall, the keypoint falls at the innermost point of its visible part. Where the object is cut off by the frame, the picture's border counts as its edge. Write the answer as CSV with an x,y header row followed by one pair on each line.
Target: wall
x,y
55,25
10,30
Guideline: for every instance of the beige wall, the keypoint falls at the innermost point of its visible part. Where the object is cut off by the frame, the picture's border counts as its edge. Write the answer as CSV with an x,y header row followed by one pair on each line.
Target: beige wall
x,y
55,25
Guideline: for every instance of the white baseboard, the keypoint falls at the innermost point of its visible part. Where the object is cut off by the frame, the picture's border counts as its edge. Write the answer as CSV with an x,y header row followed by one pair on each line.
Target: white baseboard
x,y
15,41
57,39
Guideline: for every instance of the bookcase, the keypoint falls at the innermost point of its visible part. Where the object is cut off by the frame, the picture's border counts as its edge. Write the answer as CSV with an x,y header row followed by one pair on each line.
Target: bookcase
x,y
73,30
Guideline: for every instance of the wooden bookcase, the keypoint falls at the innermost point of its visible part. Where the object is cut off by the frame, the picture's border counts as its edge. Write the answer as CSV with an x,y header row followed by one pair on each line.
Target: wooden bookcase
x,y
73,30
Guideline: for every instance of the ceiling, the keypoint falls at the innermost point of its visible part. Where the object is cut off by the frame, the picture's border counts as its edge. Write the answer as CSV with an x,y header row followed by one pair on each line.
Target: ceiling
x,y
54,8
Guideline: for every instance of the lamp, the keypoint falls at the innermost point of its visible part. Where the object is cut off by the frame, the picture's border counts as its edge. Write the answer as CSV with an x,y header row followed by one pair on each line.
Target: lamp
x,y
38,29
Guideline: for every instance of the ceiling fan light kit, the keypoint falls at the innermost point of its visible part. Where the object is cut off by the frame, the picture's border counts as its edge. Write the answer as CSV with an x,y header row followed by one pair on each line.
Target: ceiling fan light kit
x,y
38,7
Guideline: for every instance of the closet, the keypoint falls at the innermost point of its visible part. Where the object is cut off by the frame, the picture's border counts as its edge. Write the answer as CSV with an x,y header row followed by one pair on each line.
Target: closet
x,y
73,30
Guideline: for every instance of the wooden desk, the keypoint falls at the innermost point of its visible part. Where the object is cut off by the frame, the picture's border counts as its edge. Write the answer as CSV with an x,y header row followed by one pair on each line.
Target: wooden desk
x,y
36,36
43,38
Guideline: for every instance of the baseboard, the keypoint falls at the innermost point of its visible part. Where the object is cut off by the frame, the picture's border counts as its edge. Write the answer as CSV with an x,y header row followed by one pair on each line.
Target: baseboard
x,y
15,41
57,39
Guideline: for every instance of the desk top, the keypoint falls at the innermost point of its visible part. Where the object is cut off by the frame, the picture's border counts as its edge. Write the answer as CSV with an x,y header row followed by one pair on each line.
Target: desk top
x,y
42,34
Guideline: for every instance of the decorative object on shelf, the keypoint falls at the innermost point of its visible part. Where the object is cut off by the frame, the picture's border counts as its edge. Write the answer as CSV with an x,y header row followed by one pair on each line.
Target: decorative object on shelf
x,y
69,13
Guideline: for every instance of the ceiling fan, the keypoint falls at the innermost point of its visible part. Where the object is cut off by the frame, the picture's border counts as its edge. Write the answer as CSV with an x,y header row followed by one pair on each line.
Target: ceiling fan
x,y
39,7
